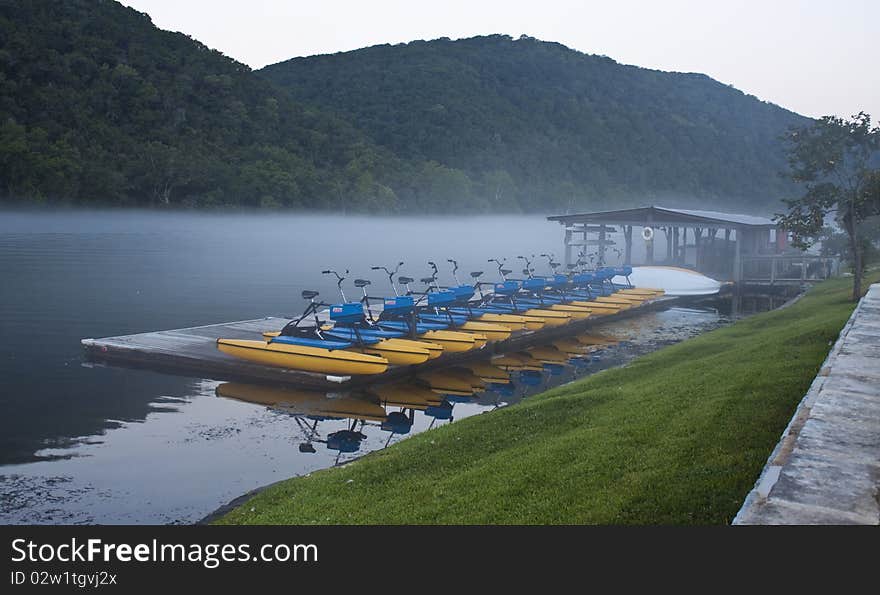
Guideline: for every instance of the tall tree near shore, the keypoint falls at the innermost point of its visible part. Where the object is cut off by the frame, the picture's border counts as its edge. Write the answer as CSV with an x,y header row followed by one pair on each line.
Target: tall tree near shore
x,y
833,159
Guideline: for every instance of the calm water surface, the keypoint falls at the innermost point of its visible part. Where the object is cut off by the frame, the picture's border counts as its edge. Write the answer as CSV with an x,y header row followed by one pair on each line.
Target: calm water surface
x,y
93,444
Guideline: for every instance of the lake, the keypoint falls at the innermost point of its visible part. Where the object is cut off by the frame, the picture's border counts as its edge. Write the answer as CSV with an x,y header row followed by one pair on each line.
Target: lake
x,y
81,443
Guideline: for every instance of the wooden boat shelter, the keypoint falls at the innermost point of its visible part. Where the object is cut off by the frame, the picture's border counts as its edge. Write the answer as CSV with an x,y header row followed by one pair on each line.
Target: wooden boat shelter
x,y
723,245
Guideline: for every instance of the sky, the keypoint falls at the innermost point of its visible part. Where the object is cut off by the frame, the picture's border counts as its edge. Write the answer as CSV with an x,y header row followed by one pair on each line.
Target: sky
x,y
810,56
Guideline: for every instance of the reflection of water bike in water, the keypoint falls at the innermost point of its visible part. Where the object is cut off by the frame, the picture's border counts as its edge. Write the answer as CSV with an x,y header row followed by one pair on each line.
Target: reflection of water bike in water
x,y
309,408
347,440
409,397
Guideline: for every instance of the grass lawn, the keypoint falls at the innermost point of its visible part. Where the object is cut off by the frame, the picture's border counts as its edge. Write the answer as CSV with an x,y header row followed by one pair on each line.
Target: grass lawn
x,y
676,437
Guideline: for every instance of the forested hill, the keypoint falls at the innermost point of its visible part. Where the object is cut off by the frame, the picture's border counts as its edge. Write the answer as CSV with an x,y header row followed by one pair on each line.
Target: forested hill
x,y
99,106
530,122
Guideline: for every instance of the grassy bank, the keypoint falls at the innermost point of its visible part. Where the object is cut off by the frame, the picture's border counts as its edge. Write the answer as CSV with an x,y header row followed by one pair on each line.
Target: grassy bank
x,y
678,436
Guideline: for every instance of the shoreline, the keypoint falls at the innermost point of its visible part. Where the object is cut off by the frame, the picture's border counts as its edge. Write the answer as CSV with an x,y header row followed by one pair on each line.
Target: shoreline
x,y
242,499
731,404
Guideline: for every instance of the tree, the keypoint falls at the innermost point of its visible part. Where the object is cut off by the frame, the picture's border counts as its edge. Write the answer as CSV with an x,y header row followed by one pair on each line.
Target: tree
x,y
832,158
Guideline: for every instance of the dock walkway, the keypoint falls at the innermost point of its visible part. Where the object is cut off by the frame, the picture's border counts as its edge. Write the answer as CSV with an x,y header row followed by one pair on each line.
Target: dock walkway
x,y
826,467
193,351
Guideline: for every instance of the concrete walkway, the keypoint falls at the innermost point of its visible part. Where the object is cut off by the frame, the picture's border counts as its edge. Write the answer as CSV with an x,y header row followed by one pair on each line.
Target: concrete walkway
x,y
826,467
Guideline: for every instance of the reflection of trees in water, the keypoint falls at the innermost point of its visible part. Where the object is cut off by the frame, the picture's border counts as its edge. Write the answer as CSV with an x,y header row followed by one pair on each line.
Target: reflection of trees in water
x,y
89,408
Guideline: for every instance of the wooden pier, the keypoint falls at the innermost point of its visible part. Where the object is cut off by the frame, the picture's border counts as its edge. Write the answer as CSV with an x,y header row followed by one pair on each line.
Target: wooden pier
x,y
787,269
193,351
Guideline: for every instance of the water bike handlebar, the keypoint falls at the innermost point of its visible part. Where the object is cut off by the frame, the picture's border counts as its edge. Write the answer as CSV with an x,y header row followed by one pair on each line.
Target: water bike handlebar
x,y
390,274
339,281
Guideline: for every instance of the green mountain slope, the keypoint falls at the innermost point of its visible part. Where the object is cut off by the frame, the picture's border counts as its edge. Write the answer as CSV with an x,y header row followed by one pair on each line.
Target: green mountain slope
x,y
529,124
99,106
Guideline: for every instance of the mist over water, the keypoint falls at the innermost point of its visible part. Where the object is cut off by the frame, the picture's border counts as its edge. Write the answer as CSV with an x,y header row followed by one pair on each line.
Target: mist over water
x,y
77,274
100,444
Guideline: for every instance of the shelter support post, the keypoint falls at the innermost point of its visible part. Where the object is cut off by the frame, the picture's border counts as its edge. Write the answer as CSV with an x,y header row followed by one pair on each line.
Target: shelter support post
x,y
684,245
726,251
711,253
698,249
567,246
737,257
675,259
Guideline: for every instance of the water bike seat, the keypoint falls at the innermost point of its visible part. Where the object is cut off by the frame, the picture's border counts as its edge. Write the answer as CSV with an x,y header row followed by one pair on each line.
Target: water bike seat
x,y
351,336
444,319
368,331
421,327
308,294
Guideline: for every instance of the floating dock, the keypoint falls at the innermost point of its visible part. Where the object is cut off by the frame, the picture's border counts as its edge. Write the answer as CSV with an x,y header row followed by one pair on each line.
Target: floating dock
x,y
193,351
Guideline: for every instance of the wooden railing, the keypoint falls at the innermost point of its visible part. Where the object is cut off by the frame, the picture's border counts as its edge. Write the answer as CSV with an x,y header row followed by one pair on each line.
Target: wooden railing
x,y
787,268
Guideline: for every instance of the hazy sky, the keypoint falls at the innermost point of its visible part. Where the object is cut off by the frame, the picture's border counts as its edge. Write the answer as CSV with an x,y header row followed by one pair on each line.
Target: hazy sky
x,y
814,57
